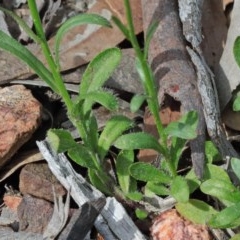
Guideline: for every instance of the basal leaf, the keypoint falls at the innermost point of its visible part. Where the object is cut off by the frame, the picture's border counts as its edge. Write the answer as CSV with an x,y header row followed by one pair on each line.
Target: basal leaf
x,y
235,237
97,182
147,172
227,218
235,163
135,196
184,128
157,188
226,192
196,211
140,140
180,189
114,128
236,50
99,70
136,102
14,47
124,159
60,140
192,180
81,19
83,157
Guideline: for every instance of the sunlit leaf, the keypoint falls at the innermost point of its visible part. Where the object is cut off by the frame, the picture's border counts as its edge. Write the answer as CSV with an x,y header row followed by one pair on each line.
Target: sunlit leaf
x,y
180,189
124,159
185,127
196,211
113,129
136,102
139,140
60,140
236,50
80,19
157,188
146,172
227,218
141,214
235,163
226,192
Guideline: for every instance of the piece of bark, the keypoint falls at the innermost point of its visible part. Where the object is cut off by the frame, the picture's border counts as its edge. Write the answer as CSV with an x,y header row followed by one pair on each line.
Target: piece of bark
x,y
173,70
113,218
37,180
20,115
82,220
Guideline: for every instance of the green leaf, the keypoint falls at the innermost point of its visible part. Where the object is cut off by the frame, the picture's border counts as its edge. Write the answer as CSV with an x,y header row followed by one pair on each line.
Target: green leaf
x,y
235,237
227,218
141,214
236,50
139,140
97,182
212,154
196,211
114,128
22,24
215,172
84,18
12,46
60,140
121,26
103,97
99,70
124,159
92,127
157,188
180,189
192,180
224,191
176,150
146,172
136,102
83,157
235,164
135,196
185,127
236,104
150,32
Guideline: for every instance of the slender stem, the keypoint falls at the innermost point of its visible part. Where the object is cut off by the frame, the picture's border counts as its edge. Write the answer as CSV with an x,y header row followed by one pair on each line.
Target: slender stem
x,y
148,76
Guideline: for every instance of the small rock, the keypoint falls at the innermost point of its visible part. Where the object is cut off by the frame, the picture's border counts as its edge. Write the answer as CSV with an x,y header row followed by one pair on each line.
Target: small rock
x,y
20,115
34,214
37,179
170,225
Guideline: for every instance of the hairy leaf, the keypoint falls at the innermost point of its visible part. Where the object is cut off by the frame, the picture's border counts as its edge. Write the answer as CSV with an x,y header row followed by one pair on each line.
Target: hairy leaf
x,y
146,172
86,18
235,163
60,140
236,50
227,218
226,192
136,102
180,189
83,157
124,159
196,211
138,140
113,129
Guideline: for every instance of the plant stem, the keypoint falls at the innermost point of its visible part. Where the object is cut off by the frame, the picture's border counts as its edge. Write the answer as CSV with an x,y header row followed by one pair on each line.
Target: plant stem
x,y
149,82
